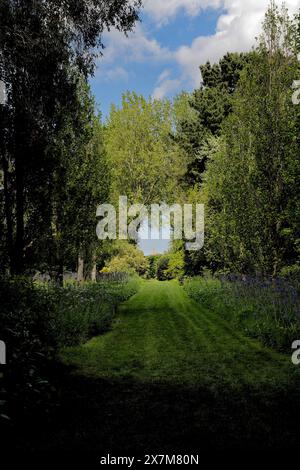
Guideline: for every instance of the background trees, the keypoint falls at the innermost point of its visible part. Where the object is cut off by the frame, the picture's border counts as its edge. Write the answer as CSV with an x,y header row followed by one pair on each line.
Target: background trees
x,y
232,144
146,164
125,257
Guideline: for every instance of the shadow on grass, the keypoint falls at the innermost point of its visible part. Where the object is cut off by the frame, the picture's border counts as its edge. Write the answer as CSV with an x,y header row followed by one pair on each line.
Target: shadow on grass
x,y
126,417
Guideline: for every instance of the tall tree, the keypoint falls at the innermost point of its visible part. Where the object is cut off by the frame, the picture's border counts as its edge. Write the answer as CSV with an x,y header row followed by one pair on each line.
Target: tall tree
x,y
251,183
211,104
42,44
81,182
146,163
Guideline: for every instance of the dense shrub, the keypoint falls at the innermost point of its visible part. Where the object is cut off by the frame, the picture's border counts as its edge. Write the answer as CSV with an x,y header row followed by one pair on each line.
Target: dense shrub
x,y
81,312
153,263
162,268
266,309
292,274
126,258
170,266
36,319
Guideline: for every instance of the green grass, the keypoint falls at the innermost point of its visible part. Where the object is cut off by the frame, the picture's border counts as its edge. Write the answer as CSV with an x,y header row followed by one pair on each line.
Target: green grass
x,y
161,335
172,376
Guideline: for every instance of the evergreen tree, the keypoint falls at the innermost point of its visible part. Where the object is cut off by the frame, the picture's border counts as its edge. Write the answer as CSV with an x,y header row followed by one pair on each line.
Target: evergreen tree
x,y
211,104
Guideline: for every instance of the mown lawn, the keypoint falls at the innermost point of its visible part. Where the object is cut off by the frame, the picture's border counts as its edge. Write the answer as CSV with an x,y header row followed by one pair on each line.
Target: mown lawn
x,y
161,335
170,377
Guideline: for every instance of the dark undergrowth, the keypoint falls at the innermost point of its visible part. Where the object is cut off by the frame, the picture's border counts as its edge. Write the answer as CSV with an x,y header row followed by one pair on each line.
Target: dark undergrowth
x,y
36,320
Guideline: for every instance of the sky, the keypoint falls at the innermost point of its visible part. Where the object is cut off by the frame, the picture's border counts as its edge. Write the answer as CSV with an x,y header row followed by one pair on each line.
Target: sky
x,y
163,54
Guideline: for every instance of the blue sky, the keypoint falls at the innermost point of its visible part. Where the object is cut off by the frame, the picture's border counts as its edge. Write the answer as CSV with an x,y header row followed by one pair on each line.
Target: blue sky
x,y
163,55
124,74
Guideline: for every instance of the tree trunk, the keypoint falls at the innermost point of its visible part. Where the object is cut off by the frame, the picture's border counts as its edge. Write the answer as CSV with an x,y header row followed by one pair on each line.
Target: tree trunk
x,y
8,213
80,268
60,274
19,245
94,271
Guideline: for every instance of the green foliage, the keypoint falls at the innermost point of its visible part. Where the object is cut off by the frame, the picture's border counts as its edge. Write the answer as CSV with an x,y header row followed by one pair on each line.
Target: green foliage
x,y
208,107
176,265
126,258
153,262
171,265
292,274
226,73
81,181
162,268
266,310
46,49
58,315
250,189
38,319
198,128
141,151
81,312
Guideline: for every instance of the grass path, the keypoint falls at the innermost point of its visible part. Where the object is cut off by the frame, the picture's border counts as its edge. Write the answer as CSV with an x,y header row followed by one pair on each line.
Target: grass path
x,y
170,377
161,335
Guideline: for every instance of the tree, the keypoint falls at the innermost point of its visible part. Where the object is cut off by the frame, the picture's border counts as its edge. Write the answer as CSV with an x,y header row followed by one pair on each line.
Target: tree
x,y
211,104
45,47
251,187
145,162
176,266
126,258
81,183
162,268
153,263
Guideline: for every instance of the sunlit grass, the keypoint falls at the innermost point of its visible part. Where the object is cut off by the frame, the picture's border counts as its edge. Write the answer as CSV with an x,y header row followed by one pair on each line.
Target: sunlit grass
x,y
161,335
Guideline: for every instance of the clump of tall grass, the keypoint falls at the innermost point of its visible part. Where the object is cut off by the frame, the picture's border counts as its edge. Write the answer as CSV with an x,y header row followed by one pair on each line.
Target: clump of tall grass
x,y
264,308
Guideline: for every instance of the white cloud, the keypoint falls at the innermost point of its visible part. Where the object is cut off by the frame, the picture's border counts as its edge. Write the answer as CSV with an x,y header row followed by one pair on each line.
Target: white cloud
x,y
117,73
163,10
164,75
236,32
165,86
136,47
237,27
